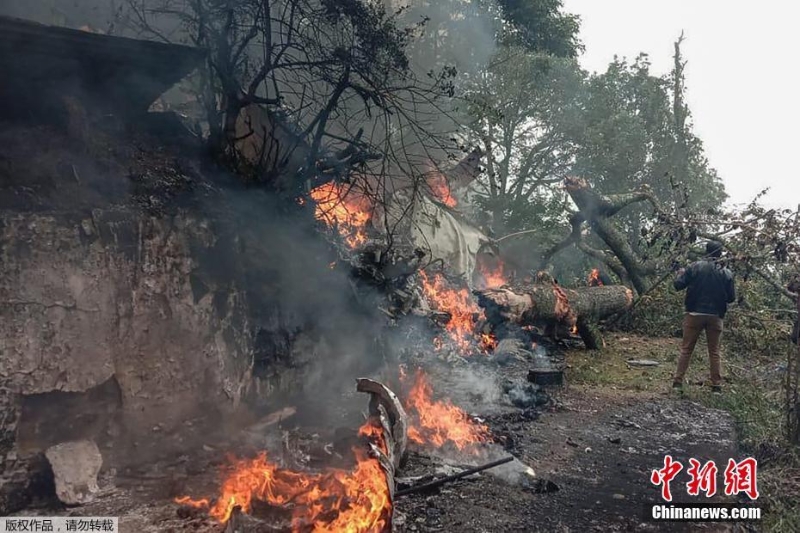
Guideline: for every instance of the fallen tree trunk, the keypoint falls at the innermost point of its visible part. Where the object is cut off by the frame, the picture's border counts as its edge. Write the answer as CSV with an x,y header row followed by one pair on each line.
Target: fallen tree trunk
x,y
536,304
553,305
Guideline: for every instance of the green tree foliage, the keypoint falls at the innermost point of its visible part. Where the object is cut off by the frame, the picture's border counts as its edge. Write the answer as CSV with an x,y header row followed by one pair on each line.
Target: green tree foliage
x,y
541,118
633,138
525,114
541,26
464,33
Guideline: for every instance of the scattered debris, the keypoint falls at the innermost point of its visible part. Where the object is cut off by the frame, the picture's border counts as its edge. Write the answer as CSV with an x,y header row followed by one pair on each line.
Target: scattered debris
x,y
397,423
642,362
546,377
464,473
542,486
622,422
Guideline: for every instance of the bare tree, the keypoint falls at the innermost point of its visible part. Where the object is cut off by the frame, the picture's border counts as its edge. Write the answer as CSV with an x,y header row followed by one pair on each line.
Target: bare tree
x,y
331,79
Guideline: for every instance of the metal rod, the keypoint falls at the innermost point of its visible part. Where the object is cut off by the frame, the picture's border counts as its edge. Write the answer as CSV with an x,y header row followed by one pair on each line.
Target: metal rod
x,y
453,477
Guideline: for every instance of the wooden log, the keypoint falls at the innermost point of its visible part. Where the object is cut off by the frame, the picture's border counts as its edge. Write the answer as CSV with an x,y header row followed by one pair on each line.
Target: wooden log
x,y
549,304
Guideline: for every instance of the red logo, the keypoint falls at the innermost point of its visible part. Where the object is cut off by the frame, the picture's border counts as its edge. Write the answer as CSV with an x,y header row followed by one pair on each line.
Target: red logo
x,y
739,477
664,476
703,479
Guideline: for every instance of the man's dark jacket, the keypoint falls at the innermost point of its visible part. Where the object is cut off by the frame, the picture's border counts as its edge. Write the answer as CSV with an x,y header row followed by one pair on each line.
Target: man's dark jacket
x,y
710,288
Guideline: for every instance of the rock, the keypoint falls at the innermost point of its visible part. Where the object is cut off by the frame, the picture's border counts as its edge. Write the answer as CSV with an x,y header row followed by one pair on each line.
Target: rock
x,y
75,465
542,486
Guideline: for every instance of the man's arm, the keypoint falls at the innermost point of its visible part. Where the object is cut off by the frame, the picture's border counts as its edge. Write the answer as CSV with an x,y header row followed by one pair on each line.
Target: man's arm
x,y
683,278
730,288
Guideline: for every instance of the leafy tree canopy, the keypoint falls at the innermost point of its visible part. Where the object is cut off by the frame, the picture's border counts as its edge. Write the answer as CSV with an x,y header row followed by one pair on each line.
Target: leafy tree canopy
x,y
542,26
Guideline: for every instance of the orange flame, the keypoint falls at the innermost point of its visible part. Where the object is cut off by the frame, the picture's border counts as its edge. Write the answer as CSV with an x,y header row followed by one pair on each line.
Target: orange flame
x,y
343,207
594,278
440,188
458,303
439,422
492,276
488,342
336,500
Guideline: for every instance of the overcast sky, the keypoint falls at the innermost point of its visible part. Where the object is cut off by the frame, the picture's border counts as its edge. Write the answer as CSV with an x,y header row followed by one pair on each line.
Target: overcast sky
x,y
741,78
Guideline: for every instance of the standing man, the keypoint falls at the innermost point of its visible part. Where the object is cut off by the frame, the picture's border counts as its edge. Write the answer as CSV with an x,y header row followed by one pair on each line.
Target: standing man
x,y
710,289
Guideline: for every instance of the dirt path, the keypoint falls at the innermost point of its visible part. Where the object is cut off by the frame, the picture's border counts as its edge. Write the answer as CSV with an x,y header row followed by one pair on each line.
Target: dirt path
x,y
599,449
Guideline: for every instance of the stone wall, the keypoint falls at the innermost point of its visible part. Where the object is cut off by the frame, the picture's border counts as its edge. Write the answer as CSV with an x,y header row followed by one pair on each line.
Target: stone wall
x,y
115,315
148,301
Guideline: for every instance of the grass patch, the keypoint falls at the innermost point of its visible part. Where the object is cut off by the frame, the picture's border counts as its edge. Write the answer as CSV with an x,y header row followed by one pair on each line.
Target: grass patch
x,y
609,368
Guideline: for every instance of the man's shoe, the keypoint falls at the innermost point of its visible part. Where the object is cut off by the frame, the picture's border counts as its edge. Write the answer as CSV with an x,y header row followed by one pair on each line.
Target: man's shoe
x,y
716,389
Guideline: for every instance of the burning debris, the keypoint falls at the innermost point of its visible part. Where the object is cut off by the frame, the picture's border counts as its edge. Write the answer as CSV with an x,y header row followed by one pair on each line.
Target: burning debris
x,y
492,278
358,500
345,208
594,278
462,313
439,423
491,271
440,188
261,493
335,500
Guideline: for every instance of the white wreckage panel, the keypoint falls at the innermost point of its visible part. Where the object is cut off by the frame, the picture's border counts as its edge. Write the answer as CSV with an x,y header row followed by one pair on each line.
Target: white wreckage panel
x,y
441,233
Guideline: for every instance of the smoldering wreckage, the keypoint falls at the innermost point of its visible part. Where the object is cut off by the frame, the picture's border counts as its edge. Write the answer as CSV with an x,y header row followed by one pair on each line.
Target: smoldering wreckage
x,y
123,349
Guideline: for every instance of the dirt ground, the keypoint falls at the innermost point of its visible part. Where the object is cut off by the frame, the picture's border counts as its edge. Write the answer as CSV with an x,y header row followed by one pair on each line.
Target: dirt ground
x,y
599,450
592,449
